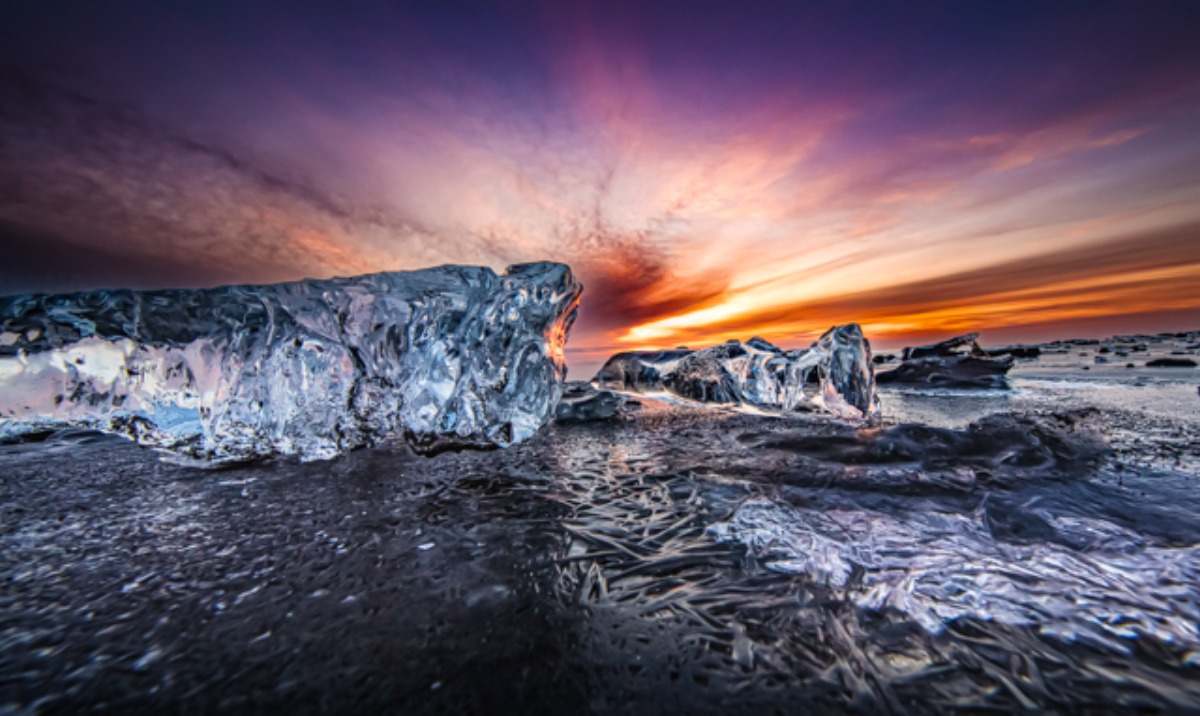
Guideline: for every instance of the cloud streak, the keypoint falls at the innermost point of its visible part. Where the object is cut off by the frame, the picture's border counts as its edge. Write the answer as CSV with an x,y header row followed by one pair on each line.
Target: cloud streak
x,y
94,174
1137,273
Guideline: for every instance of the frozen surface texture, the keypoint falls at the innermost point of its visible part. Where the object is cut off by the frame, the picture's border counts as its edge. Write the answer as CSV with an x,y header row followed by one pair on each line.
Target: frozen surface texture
x,y
834,375
1078,578
449,356
1034,550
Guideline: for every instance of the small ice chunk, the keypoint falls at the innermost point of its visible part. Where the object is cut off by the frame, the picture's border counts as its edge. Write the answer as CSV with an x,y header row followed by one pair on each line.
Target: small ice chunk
x,y
835,374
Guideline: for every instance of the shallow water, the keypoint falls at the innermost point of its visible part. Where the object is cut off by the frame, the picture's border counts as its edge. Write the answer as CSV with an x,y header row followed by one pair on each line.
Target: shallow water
x,y
672,560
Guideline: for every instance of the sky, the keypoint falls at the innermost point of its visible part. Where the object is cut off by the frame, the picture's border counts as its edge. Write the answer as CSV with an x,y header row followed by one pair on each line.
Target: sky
x,y
1029,170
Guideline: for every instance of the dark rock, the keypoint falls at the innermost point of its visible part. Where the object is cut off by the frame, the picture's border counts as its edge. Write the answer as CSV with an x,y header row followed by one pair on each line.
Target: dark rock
x,y
637,371
955,363
1007,446
1016,351
952,372
950,347
703,375
1171,363
582,403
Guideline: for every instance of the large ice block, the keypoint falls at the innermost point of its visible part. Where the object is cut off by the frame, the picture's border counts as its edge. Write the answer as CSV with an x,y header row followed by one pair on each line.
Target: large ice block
x,y
449,356
834,375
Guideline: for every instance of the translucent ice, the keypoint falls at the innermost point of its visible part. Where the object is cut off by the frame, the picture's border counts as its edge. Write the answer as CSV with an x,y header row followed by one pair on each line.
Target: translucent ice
x,y
759,374
1095,581
449,356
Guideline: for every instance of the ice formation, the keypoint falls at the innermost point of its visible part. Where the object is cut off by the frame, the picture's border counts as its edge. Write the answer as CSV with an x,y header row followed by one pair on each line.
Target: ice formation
x,y
759,374
1097,581
955,363
448,356
583,403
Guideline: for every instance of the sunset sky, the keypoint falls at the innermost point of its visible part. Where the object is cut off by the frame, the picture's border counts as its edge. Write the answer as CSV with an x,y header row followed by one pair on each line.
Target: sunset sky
x,y
710,170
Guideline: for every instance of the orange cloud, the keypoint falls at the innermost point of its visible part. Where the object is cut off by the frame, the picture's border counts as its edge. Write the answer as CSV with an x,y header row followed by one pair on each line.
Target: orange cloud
x,y
1158,271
